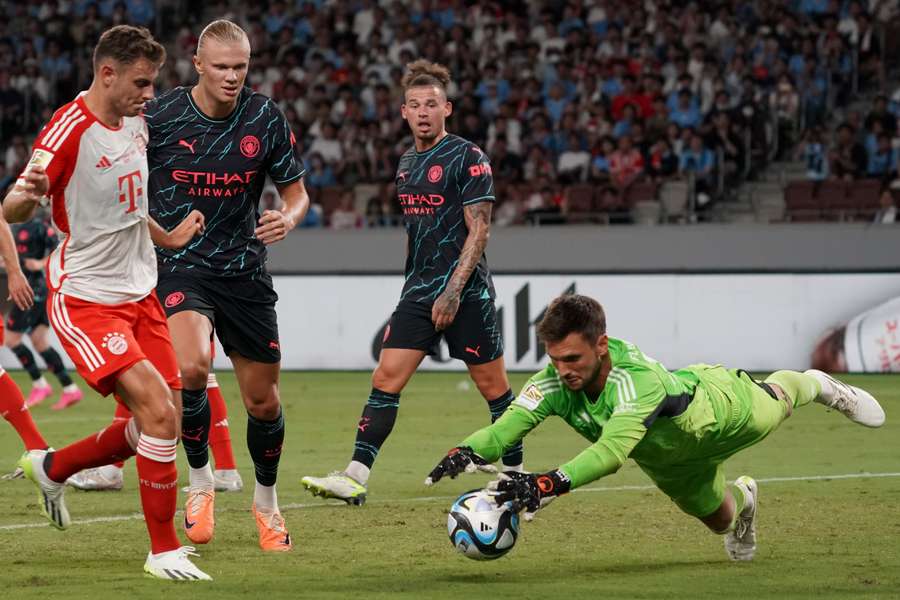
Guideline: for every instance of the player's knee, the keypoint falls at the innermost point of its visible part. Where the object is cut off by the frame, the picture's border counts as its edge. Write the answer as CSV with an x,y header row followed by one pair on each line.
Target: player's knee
x,y
264,405
194,374
157,418
385,379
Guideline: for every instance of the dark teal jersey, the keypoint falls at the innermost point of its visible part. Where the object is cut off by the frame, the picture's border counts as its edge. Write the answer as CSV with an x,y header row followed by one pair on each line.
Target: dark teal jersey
x,y
432,189
35,239
219,167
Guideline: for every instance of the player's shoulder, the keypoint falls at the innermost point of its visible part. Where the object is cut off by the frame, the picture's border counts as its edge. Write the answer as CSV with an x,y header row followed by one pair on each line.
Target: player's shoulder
x,y
253,100
63,130
545,385
174,98
471,151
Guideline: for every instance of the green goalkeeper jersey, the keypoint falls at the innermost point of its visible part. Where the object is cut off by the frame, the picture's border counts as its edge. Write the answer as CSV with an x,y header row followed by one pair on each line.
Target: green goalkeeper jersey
x,y
633,417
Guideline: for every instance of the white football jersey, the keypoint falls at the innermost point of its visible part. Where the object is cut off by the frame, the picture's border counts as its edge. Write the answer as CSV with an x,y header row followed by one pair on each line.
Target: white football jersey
x,y
872,340
98,178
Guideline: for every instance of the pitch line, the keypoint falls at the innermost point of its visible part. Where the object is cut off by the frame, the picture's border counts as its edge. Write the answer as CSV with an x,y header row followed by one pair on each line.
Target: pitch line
x,y
305,505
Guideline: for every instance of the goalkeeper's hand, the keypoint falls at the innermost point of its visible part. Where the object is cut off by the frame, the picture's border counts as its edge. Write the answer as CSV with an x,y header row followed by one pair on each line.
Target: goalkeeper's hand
x,y
459,460
528,491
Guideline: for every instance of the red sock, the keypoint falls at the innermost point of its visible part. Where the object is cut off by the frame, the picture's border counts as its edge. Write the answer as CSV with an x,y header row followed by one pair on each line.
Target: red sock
x,y
98,449
219,435
13,409
158,478
122,413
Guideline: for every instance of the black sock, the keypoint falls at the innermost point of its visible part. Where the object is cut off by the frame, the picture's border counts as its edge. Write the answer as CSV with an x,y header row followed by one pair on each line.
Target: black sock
x,y
27,359
195,415
498,406
55,366
375,425
264,440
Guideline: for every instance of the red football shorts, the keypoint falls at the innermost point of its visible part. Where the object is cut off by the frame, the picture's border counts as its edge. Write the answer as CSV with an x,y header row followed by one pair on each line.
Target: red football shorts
x,y
105,340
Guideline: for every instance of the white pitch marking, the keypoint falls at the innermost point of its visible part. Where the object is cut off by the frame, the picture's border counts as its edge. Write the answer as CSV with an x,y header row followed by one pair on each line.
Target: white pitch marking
x,y
300,506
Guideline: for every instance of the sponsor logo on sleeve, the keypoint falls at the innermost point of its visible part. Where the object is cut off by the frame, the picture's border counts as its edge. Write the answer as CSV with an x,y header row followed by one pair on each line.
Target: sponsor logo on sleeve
x,y
41,158
530,397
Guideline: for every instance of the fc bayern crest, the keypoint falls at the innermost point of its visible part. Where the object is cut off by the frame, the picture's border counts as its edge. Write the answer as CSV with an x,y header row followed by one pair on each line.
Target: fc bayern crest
x,y
435,173
250,146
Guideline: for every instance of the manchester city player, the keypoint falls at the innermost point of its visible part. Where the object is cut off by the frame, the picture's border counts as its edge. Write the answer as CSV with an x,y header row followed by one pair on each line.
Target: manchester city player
x,y
446,192
678,426
211,147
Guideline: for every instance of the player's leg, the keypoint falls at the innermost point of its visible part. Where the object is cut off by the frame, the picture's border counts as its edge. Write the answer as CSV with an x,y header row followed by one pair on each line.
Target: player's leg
x,y
16,413
226,474
40,339
816,386
17,324
109,477
408,337
258,383
189,315
475,338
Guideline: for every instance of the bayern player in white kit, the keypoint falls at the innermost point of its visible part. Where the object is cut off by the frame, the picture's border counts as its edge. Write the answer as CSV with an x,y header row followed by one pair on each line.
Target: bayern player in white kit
x,y
90,159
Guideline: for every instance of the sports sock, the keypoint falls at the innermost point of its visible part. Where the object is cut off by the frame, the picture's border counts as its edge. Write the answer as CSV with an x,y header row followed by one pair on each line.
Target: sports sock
x,y
264,440
26,358
195,427
158,479
98,449
13,409
265,498
741,503
122,413
375,425
497,406
219,432
55,366
799,387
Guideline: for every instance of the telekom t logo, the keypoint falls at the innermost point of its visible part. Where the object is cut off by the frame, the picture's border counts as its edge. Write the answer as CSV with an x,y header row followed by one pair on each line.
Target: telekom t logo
x,y
130,190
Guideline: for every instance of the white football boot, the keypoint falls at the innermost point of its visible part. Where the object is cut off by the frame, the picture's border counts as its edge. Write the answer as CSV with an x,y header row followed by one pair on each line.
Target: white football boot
x,y
107,477
50,493
855,403
740,543
175,565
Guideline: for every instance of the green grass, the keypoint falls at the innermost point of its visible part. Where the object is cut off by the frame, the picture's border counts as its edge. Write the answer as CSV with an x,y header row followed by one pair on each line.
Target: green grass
x,y
836,538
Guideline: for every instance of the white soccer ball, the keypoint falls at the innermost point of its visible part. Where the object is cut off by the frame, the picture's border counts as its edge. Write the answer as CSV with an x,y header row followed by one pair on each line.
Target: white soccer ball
x,y
479,529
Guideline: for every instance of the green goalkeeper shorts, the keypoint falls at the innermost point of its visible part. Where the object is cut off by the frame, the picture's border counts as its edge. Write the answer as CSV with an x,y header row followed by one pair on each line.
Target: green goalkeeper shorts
x,y
730,411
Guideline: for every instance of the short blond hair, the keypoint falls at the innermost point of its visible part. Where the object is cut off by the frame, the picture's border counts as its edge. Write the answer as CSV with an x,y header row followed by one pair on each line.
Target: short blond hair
x,y
425,73
222,30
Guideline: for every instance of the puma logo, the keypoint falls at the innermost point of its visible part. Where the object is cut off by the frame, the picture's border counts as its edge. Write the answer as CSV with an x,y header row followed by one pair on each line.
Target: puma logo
x,y
187,145
474,350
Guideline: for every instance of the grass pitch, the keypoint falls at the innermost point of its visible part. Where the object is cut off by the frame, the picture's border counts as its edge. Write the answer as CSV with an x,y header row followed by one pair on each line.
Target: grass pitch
x,y
819,536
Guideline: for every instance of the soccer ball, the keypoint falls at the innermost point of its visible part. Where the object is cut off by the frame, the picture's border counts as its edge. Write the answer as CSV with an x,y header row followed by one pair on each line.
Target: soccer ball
x,y
479,529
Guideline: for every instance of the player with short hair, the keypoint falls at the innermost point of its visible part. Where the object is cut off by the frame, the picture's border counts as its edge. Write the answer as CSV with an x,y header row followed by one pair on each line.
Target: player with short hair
x,y
678,426
35,240
90,159
211,147
446,192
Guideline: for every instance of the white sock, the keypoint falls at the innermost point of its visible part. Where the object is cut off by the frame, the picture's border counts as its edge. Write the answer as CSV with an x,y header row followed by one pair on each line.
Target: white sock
x,y
202,478
265,498
71,388
519,468
358,471
40,382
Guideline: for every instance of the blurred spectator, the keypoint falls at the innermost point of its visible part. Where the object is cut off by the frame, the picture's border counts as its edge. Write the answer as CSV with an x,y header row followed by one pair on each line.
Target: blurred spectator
x,y
814,153
573,164
699,161
625,164
883,159
544,207
887,213
345,215
848,159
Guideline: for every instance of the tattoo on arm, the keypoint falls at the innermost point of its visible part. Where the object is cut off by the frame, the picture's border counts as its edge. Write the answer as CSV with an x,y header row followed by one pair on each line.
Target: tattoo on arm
x,y
478,221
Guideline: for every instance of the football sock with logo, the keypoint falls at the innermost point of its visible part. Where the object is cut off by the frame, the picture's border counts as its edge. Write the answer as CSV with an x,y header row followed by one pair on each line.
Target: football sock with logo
x,y
98,449
195,426
799,387
219,432
55,366
375,425
513,457
13,409
158,477
26,359
264,440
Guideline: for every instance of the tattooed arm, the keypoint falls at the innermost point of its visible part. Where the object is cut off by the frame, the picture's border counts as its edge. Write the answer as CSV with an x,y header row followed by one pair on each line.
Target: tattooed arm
x,y
478,222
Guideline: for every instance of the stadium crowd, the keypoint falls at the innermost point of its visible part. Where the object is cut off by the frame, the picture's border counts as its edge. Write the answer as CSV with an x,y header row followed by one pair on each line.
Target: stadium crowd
x,y
560,95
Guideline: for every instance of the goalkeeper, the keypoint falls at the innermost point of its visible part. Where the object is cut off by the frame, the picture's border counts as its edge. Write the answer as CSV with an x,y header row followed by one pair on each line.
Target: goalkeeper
x,y
679,427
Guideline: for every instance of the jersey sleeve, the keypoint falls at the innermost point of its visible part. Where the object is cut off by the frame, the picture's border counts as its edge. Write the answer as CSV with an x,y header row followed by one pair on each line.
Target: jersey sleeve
x,y
476,183
56,157
526,412
638,393
281,162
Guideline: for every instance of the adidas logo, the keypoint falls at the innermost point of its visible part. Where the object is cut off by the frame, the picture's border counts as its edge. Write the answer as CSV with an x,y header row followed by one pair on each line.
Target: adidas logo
x,y
485,527
104,163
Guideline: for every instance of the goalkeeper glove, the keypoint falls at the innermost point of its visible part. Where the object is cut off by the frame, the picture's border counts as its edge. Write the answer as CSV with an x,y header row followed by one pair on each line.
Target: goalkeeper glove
x,y
529,491
459,460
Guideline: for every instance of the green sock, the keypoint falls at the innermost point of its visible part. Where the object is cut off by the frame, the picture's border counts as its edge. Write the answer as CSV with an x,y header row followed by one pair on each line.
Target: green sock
x,y
740,500
799,387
